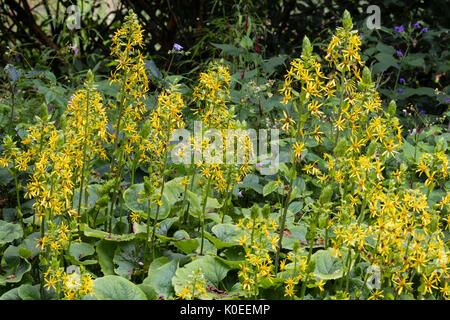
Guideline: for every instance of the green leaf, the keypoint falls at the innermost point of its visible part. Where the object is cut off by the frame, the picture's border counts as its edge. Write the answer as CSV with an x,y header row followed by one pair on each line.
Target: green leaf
x,y
269,188
9,232
88,232
297,233
131,196
212,269
412,154
127,258
381,47
228,49
327,266
150,65
217,242
270,65
13,73
160,278
79,250
25,253
12,294
29,292
415,60
14,265
105,252
246,42
422,91
187,246
385,61
117,288
149,291
174,190
227,233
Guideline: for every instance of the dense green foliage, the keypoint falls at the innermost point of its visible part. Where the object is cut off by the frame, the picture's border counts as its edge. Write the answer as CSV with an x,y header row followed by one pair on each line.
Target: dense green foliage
x,y
93,206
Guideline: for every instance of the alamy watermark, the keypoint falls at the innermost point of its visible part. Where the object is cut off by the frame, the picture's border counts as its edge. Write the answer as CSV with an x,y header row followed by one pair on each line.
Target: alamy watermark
x,y
74,19
374,20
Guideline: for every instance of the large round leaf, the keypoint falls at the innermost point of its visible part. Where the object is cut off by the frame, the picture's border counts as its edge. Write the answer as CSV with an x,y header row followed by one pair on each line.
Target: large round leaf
x,y
9,232
160,276
327,266
212,269
117,288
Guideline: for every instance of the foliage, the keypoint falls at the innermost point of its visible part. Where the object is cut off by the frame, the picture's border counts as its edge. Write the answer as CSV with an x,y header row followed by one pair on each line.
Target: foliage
x,y
97,204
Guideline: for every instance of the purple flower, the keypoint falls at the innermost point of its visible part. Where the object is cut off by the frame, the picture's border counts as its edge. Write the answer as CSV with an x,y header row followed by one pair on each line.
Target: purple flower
x,y
259,165
75,49
50,107
240,195
250,101
399,29
177,47
399,53
447,100
424,30
402,81
400,90
422,112
416,25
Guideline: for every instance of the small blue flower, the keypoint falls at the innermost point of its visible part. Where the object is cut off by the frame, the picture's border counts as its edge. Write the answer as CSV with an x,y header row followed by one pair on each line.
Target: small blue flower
x,y
240,195
399,53
402,81
75,49
259,165
400,90
177,47
424,30
399,29
416,25
447,100
422,112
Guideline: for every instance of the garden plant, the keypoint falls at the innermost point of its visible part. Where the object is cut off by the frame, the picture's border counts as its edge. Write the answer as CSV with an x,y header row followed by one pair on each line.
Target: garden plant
x,y
314,176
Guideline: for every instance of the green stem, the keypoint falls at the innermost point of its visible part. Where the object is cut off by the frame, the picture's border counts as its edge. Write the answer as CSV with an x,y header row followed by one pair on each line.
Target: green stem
x,y
158,207
191,186
80,194
205,199
282,225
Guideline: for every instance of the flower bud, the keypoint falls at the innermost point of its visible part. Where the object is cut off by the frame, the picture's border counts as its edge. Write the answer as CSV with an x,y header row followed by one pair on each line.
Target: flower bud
x,y
103,201
265,211
296,245
366,75
392,108
347,21
311,266
441,145
325,196
90,76
63,122
44,112
306,47
254,211
148,187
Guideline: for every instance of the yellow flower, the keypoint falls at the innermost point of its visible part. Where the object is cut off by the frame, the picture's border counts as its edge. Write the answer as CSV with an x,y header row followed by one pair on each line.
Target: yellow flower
x,y
298,149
